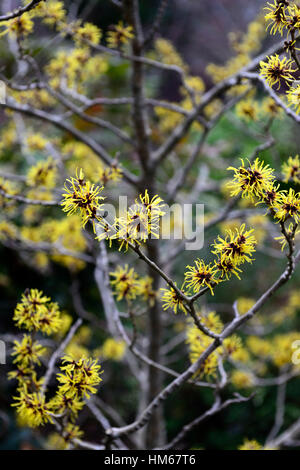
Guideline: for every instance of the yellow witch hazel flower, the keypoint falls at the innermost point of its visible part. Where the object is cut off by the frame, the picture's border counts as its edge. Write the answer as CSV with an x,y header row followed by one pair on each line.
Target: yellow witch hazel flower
x,y
44,173
37,312
140,223
248,110
250,445
113,349
276,16
32,408
20,26
201,275
293,96
119,35
82,197
238,246
145,289
57,441
88,32
291,170
198,343
125,283
27,351
242,379
52,13
253,180
171,300
271,108
276,70
288,206
79,378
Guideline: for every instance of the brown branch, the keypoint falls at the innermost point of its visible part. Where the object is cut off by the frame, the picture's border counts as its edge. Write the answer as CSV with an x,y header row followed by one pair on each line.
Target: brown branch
x,y
60,123
217,407
178,382
33,202
257,78
58,352
20,11
157,22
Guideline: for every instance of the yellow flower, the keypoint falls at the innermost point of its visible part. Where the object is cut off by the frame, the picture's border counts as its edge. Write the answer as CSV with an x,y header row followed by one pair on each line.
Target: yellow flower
x,y
28,352
36,142
291,169
21,26
66,401
87,33
241,379
168,54
250,445
237,246
281,351
172,300
200,275
79,378
140,223
293,17
52,13
83,197
248,110
119,35
112,173
253,180
276,70
43,174
145,289
271,108
288,205
32,408
114,349
232,345
37,312
276,17
198,342
125,283
212,321
7,230
293,96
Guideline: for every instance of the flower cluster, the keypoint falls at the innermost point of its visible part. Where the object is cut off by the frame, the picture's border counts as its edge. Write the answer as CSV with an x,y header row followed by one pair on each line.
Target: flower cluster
x,y
235,249
128,285
36,312
291,170
198,342
113,349
119,35
277,70
231,252
257,182
44,173
284,16
140,222
83,197
252,180
77,380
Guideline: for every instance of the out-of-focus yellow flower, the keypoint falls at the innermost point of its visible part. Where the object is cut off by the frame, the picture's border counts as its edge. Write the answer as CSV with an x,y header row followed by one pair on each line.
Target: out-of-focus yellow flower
x,y
241,379
250,445
113,349
119,35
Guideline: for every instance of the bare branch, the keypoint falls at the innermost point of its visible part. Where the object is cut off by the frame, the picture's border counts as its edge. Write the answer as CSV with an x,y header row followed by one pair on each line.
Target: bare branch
x,y
20,11
58,352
